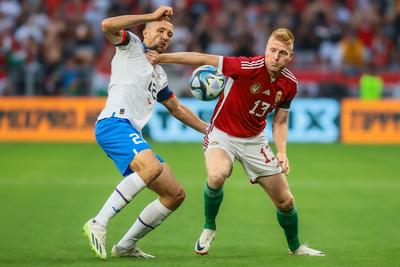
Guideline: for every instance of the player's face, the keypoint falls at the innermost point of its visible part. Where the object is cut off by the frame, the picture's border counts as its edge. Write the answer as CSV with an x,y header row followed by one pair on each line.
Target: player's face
x,y
158,34
277,55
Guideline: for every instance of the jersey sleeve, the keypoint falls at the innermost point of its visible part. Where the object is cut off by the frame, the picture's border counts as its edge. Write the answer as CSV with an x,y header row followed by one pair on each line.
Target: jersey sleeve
x,y
162,81
129,41
285,104
230,66
239,67
164,94
288,100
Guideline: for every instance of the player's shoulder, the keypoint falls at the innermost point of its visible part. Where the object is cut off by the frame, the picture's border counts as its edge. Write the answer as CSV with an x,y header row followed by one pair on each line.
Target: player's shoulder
x,y
129,41
161,74
250,63
133,36
160,70
289,77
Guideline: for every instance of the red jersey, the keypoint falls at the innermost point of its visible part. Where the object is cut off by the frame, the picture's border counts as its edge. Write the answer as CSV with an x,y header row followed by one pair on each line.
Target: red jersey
x,y
249,95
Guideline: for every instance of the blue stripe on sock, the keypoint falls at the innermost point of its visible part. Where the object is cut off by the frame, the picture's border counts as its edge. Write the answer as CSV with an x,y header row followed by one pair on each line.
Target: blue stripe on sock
x,y
145,224
116,189
116,210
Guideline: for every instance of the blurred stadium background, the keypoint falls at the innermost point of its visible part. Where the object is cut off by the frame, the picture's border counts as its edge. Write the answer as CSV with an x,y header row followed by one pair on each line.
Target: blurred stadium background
x,y
344,132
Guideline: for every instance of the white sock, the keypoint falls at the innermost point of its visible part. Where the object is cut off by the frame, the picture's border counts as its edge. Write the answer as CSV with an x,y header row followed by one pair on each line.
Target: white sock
x,y
123,193
152,216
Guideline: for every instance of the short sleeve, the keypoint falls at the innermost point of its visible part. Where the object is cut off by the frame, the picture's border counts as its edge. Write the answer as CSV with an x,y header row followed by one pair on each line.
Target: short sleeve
x,y
164,94
230,66
288,101
129,41
285,104
240,67
162,77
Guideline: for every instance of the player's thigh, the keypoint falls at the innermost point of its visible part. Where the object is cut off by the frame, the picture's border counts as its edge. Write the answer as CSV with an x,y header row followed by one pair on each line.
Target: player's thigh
x,y
123,143
219,156
167,187
258,159
277,188
219,166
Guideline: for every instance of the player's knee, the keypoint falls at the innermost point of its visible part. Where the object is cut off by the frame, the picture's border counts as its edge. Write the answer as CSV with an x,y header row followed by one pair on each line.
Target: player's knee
x,y
217,178
285,204
179,196
175,199
148,170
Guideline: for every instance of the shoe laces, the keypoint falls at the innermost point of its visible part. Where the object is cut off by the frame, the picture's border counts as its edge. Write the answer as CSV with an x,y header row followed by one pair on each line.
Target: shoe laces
x,y
102,236
100,233
306,244
207,236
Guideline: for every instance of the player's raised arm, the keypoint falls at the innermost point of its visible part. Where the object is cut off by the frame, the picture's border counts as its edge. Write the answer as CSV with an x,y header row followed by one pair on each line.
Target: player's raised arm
x,y
184,114
185,58
112,27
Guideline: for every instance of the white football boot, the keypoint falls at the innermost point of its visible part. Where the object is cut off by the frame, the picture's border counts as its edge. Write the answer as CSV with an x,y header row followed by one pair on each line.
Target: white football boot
x,y
130,252
203,244
96,234
307,251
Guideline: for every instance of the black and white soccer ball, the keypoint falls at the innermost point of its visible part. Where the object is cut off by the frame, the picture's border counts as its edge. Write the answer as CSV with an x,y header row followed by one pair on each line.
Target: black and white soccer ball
x,y
207,82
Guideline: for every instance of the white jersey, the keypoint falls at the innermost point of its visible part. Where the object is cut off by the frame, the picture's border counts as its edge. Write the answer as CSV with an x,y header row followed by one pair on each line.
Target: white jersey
x,y
134,84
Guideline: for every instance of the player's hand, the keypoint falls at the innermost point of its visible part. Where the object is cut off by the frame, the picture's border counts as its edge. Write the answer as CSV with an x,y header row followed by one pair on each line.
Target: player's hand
x,y
162,12
283,162
153,57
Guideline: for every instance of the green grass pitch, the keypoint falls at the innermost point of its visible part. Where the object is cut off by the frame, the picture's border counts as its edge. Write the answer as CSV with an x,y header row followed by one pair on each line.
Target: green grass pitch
x,y
348,198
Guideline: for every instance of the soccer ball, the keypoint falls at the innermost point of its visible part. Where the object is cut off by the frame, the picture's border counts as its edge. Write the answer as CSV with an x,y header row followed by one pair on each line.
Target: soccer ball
x,y
207,82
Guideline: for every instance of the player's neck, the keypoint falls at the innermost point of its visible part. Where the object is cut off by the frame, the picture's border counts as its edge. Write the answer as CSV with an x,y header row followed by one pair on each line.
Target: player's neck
x,y
273,75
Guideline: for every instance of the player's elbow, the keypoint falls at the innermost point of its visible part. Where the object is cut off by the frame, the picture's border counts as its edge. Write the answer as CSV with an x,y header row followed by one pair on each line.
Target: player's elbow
x,y
106,25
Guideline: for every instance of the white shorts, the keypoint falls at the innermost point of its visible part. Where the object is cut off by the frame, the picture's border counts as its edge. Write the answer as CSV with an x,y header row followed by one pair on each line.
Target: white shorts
x,y
253,153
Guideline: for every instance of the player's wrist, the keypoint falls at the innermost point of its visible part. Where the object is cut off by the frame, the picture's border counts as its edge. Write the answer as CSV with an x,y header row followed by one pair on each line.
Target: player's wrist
x,y
149,17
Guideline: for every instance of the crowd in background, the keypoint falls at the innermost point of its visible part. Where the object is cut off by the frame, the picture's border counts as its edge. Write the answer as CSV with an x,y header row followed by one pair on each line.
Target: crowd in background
x,y
56,47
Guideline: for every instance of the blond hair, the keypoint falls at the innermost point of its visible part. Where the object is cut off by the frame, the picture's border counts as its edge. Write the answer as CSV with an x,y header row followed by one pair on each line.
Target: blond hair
x,y
283,35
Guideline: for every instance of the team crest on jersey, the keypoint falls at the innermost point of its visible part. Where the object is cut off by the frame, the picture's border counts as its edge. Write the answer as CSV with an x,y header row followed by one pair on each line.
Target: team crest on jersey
x,y
278,96
255,88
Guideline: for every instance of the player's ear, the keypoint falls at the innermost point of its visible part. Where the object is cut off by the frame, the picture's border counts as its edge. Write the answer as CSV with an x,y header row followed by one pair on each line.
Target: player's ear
x,y
145,32
291,55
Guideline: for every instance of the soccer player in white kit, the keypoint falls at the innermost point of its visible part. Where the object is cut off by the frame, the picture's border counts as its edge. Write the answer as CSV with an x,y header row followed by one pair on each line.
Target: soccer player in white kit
x,y
255,87
135,86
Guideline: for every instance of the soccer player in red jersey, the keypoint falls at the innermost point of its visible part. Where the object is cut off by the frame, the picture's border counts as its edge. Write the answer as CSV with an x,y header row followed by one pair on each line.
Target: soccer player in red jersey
x,y
255,87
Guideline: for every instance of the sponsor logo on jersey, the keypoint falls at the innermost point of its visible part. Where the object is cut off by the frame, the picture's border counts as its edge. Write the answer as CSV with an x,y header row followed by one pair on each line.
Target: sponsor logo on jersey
x,y
122,111
255,88
267,92
214,143
278,96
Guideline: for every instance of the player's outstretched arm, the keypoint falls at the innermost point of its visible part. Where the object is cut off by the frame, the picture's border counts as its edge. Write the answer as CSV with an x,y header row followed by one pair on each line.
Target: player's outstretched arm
x,y
279,131
185,58
112,27
184,114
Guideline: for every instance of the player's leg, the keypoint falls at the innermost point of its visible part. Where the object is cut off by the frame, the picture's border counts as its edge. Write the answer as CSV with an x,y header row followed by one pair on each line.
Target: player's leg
x,y
276,186
146,167
219,165
124,145
171,195
262,167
